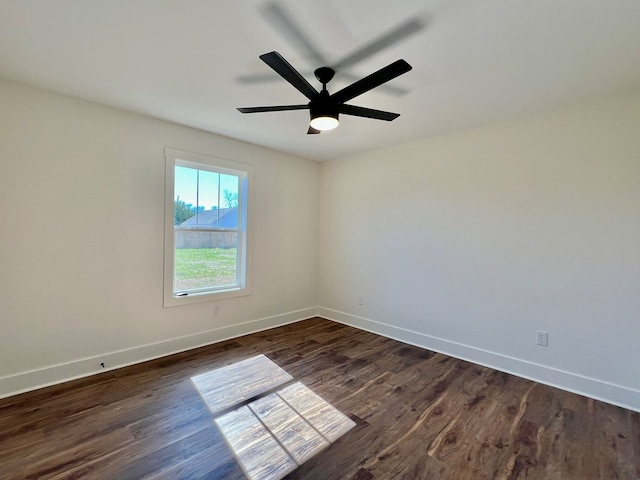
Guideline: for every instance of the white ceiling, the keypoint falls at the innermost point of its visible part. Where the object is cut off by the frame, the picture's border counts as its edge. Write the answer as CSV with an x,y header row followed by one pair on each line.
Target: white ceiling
x,y
180,60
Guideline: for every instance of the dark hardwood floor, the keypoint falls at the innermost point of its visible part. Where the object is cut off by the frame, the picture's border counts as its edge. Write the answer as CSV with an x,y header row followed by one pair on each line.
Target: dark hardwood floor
x,y
419,415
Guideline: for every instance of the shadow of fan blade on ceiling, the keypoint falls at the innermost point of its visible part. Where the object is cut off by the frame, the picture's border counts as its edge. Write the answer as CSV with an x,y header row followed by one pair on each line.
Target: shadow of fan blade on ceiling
x,y
285,23
408,28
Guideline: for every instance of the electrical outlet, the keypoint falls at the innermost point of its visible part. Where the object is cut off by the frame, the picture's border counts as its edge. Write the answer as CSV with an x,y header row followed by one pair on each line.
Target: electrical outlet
x,y
102,365
360,299
542,338
216,310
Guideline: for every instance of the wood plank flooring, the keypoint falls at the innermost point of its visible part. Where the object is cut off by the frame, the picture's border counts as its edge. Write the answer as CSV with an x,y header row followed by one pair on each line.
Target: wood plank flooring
x,y
418,414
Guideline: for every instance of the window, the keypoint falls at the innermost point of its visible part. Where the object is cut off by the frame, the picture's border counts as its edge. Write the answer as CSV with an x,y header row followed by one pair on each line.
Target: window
x,y
206,239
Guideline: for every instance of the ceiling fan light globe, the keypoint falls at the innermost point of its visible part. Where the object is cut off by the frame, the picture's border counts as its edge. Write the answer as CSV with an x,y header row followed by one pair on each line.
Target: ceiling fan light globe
x,y
324,123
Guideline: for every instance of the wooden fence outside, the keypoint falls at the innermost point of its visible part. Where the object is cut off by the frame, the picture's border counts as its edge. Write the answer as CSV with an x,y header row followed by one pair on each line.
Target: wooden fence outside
x,y
188,238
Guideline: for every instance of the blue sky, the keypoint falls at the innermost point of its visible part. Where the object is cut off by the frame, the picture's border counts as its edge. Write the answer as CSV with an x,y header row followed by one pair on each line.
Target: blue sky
x,y
200,187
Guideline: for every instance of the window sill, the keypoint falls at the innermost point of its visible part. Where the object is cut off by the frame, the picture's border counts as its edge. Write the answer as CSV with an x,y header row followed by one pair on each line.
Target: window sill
x,y
174,301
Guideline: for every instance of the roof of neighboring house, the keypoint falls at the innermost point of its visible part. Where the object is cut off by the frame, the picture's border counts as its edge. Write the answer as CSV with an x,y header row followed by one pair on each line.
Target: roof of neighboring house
x,y
218,218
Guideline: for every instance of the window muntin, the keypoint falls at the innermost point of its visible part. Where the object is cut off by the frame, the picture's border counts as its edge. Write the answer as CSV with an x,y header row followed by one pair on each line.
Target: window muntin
x,y
206,228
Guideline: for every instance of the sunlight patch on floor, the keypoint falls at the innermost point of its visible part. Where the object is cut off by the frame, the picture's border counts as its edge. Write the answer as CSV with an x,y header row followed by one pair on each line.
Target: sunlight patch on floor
x,y
270,432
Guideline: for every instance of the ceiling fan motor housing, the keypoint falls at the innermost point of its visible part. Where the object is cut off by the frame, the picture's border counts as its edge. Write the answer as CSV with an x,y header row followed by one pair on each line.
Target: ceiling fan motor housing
x,y
324,106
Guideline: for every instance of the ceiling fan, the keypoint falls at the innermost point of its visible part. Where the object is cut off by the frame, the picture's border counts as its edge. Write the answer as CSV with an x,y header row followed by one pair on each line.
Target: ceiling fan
x,y
324,108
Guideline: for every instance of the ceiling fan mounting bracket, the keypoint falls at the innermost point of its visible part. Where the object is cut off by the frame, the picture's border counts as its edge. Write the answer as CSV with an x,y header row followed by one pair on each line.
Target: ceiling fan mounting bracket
x,y
324,74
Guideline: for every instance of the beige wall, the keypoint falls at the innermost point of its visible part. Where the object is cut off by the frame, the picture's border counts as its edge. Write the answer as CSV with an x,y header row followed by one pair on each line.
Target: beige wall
x,y
469,243
81,245
466,243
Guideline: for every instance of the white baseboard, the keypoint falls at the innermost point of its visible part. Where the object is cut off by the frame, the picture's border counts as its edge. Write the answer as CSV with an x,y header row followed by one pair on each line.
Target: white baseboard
x,y
54,374
618,395
594,388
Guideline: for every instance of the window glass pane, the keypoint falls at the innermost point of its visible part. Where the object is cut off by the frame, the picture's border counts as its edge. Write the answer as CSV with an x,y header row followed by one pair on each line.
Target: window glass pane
x,y
229,188
185,194
205,259
208,189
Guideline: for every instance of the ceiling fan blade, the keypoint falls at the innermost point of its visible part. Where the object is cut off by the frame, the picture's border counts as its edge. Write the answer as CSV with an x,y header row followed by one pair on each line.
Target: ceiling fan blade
x,y
372,81
393,90
290,74
269,77
368,113
313,131
275,108
289,28
401,32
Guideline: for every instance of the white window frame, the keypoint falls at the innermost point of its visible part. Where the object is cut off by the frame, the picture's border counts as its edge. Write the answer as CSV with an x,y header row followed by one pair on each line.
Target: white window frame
x,y
175,157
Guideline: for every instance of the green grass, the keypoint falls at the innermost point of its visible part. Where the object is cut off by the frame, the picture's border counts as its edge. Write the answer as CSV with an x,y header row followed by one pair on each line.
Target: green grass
x,y
204,267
